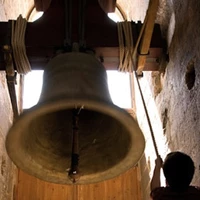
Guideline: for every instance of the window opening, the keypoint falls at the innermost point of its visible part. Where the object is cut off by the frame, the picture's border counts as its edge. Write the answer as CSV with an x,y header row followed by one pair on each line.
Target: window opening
x,y
118,85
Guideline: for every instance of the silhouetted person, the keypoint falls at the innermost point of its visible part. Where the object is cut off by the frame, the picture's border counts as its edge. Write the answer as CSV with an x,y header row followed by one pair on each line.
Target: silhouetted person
x,y
178,170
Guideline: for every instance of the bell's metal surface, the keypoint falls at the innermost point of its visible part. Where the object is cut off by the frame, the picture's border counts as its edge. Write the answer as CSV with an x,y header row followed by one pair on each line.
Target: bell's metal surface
x,y
109,139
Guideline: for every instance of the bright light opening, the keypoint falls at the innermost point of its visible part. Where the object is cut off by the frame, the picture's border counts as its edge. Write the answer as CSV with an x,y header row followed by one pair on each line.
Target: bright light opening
x,y
119,87
35,15
32,88
116,16
118,84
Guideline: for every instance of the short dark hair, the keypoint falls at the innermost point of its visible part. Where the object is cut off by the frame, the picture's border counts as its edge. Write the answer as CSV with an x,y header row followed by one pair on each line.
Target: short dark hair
x,y
178,169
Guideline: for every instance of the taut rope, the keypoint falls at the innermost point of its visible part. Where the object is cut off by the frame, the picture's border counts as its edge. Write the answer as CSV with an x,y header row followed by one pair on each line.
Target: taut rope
x,y
128,62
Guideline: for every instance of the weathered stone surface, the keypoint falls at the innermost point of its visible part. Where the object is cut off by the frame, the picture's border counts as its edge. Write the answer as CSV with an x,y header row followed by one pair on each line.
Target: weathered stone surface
x,y
183,125
174,91
10,9
7,169
8,173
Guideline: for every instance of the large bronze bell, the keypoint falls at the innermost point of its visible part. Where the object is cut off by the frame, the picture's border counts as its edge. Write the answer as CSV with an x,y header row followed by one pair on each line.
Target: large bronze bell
x,y
75,132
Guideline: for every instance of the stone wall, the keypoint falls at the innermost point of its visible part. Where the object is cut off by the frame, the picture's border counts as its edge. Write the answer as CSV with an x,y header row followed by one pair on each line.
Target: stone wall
x,y
174,90
9,9
178,101
8,171
12,9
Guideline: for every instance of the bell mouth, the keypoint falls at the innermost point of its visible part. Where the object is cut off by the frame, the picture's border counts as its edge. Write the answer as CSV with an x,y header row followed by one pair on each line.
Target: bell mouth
x,y
40,142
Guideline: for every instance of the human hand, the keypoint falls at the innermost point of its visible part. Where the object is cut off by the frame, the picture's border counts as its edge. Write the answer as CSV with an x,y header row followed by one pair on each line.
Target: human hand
x,y
159,162
155,181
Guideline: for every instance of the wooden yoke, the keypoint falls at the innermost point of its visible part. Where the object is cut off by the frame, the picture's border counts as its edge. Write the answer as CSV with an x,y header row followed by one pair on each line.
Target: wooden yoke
x,y
45,37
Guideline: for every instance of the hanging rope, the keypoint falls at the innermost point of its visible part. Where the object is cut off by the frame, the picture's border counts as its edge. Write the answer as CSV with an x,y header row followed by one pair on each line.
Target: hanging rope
x,y
18,45
147,115
128,58
140,90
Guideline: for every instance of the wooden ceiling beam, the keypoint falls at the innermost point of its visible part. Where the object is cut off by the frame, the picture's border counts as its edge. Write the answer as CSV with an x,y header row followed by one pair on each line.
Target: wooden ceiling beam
x,y
46,36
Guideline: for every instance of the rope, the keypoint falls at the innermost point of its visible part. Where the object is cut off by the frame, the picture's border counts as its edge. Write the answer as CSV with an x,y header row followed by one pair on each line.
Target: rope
x,y
147,115
121,46
127,57
125,46
18,46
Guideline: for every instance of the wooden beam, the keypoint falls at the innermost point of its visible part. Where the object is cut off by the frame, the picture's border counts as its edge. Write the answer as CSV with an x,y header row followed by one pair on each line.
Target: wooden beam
x,y
147,35
46,36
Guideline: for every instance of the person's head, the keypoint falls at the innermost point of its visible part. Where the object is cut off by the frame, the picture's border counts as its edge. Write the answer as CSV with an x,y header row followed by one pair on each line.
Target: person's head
x,y
178,169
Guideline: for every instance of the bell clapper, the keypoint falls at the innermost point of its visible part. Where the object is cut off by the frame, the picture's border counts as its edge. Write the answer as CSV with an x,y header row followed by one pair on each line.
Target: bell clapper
x,y
74,171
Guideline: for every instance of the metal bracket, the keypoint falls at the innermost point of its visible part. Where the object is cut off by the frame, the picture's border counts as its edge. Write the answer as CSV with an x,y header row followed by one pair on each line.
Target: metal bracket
x,y
11,78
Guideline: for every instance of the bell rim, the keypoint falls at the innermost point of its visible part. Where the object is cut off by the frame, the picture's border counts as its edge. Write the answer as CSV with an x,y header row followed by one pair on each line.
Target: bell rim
x,y
92,104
